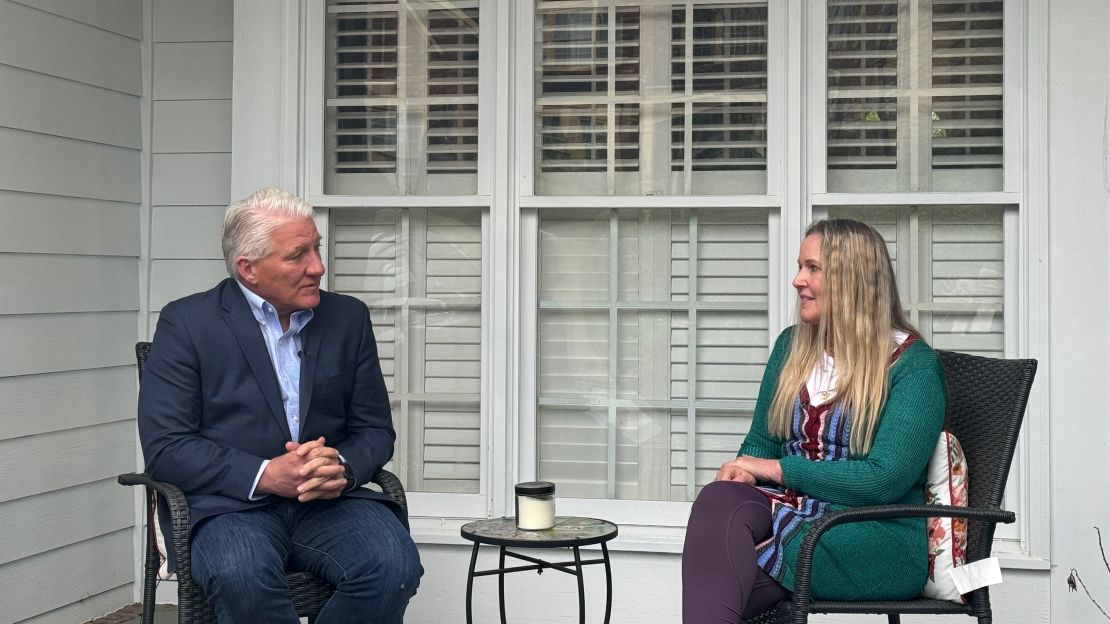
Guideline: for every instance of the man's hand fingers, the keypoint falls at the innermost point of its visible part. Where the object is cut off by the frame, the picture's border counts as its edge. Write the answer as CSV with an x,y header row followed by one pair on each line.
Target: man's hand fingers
x,y
325,489
321,466
305,448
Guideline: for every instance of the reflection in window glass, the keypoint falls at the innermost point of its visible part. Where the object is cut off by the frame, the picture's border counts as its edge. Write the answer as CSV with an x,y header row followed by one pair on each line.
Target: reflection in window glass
x,y
914,95
650,98
949,261
653,334
401,111
420,272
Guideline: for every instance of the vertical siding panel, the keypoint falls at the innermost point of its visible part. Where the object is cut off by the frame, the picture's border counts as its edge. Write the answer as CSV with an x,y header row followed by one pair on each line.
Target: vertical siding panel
x,y
191,145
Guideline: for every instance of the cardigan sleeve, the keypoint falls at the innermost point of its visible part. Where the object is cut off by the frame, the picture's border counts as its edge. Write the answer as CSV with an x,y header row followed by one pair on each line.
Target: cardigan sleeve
x,y
758,442
907,433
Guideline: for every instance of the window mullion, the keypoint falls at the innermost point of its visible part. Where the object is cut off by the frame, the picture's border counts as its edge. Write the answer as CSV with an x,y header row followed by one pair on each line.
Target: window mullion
x,y
614,354
611,106
691,356
688,103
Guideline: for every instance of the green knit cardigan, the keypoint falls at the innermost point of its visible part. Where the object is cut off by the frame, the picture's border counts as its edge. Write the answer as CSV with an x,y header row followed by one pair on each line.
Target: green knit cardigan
x,y
872,560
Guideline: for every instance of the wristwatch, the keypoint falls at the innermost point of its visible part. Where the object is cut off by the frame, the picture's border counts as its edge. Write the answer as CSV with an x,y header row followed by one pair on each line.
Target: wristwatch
x,y
349,475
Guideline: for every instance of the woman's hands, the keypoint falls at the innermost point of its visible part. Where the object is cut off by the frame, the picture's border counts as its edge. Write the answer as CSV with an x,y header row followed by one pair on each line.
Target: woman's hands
x,y
747,469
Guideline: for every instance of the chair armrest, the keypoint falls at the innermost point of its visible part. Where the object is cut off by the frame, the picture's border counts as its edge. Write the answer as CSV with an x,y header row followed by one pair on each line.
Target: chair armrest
x,y
179,515
803,567
392,487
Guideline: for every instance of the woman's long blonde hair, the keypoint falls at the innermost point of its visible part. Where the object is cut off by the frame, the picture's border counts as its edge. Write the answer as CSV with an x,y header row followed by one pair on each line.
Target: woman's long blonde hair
x,y
860,308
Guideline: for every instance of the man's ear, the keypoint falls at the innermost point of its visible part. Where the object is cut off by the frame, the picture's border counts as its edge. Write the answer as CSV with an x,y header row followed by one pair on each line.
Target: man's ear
x,y
245,269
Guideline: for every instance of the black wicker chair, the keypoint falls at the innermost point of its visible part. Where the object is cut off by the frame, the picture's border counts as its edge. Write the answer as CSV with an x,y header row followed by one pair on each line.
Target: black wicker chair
x,y
986,404
308,592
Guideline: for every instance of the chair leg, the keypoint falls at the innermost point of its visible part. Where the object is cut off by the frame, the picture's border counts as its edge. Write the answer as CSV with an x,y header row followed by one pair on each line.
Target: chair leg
x,y
893,618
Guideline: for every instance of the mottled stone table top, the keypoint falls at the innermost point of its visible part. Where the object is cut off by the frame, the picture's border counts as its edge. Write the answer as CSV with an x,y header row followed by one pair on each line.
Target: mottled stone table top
x,y
568,531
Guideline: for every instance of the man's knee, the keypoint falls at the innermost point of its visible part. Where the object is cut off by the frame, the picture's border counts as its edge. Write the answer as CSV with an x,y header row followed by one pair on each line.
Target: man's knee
x,y
393,571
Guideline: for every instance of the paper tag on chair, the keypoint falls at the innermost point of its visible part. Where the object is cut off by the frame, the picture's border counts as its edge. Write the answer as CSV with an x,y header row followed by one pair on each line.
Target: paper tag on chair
x,y
976,574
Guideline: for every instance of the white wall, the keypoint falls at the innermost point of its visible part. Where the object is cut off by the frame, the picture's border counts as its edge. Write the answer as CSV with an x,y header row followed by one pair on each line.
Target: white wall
x,y
71,88
1079,225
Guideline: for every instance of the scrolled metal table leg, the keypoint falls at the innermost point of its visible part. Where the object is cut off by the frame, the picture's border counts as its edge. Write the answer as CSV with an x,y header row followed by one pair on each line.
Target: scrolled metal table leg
x,y
501,583
470,584
581,587
608,582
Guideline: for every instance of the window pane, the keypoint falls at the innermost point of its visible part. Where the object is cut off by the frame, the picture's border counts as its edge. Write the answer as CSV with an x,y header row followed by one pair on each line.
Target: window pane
x,y
401,115
950,273
914,95
420,272
651,98
652,325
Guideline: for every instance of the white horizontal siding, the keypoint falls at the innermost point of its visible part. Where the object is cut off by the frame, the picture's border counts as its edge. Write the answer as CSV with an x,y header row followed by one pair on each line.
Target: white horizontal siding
x,y
57,46
192,71
51,165
59,518
49,402
187,232
123,17
90,454
184,126
44,343
194,20
60,107
88,608
70,192
173,279
47,224
190,179
65,575
70,283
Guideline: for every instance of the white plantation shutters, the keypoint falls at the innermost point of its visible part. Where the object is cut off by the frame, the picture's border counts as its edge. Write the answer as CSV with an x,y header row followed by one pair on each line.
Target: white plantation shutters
x,y
914,95
420,272
650,97
401,109
950,273
653,334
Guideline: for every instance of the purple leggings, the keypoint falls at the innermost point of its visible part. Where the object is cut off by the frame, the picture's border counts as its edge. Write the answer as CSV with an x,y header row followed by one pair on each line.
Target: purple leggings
x,y
721,581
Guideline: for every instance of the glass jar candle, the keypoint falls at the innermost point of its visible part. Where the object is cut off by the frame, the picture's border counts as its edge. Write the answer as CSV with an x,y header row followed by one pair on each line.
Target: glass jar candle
x,y
535,505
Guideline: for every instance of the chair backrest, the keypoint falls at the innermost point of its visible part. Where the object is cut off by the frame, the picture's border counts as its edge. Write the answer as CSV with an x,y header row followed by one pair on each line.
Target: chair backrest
x,y
142,352
986,404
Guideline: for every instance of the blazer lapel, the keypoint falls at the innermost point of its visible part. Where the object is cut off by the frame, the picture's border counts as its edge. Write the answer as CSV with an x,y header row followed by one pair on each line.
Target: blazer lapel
x,y
310,350
244,326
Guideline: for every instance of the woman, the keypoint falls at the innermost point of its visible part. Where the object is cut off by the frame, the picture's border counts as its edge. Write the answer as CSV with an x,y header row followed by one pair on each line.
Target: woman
x,y
850,408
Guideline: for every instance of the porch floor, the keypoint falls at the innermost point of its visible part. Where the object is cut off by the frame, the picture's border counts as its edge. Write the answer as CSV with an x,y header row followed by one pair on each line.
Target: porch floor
x,y
131,614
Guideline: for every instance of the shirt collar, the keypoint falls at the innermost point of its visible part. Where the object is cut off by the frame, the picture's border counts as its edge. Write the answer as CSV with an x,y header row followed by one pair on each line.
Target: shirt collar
x,y
262,310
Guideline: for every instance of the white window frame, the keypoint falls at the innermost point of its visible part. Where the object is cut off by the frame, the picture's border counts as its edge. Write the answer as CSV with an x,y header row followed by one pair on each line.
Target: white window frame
x,y
277,103
434,517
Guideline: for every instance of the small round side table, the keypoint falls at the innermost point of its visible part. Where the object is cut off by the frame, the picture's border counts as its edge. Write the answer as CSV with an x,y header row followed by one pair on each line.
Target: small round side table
x,y
569,532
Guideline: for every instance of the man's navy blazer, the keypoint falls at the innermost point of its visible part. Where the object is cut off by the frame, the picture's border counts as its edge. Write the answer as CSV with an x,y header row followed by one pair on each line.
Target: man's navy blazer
x,y
210,408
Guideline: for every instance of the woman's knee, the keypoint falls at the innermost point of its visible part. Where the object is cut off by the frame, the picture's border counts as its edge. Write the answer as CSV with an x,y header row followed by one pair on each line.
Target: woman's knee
x,y
725,496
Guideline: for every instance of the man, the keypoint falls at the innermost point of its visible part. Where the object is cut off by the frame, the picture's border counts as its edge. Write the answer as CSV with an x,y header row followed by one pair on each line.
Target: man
x,y
263,400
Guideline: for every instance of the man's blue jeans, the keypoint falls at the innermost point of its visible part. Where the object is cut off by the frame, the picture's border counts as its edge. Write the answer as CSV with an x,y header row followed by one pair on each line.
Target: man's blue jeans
x,y
239,560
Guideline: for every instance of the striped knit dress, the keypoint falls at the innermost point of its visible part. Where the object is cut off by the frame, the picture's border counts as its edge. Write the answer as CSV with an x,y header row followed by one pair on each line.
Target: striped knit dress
x,y
868,560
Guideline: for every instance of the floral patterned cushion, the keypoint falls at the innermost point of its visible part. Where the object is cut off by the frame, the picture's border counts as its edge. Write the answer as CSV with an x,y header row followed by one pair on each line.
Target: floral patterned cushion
x,y
946,484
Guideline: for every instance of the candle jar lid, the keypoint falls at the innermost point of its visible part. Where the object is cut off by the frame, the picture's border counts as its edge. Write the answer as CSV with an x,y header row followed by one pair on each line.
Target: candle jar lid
x,y
535,488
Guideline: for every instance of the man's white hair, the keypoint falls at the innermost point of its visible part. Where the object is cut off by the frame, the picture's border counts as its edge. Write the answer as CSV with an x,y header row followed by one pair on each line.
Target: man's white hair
x,y
250,222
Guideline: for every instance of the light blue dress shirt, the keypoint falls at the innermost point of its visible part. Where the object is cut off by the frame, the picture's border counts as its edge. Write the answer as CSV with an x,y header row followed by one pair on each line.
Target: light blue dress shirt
x,y
284,349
